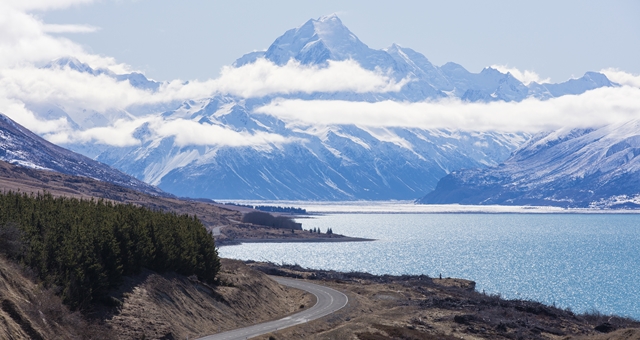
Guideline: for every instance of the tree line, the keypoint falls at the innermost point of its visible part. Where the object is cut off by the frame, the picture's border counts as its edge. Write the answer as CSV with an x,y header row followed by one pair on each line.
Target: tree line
x,y
271,208
268,220
85,247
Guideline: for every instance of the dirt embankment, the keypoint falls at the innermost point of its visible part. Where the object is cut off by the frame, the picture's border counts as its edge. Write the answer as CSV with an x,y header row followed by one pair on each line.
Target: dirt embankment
x,y
28,311
147,306
419,307
172,306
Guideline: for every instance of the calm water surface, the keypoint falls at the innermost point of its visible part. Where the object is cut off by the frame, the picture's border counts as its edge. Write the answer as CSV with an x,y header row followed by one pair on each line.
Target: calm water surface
x,y
580,261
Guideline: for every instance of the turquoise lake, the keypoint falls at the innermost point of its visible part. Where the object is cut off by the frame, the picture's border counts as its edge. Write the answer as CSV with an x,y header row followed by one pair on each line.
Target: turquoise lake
x,y
583,262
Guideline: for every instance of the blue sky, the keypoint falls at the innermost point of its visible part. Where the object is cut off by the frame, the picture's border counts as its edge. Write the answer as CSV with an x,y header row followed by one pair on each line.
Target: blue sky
x,y
193,39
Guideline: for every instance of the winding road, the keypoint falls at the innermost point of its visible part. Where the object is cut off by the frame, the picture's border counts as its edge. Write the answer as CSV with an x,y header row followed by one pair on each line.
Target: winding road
x,y
328,301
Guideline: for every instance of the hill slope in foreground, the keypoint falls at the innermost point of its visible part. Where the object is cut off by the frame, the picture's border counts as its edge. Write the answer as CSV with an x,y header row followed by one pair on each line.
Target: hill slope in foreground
x,y
169,306
150,306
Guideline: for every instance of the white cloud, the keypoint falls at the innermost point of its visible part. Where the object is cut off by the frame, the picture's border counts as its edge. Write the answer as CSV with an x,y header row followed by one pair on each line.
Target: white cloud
x,y
29,5
265,78
78,91
526,76
591,109
621,77
26,40
118,134
57,28
67,88
21,115
187,132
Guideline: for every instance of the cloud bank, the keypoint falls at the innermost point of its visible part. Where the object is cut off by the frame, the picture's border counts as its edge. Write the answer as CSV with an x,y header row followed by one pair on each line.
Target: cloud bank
x,y
621,77
592,109
185,132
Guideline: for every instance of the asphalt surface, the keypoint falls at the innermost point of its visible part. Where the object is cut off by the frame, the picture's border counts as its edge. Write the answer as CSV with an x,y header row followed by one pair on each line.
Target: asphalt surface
x,y
328,301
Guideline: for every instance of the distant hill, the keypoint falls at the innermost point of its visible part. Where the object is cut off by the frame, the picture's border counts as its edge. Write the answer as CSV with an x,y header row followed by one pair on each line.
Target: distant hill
x,y
31,181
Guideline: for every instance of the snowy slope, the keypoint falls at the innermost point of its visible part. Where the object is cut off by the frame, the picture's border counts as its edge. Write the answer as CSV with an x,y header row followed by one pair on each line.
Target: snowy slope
x,y
322,162
569,168
20,146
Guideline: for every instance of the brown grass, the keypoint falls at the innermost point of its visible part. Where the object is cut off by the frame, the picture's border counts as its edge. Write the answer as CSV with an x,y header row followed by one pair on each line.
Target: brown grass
x,y
28,311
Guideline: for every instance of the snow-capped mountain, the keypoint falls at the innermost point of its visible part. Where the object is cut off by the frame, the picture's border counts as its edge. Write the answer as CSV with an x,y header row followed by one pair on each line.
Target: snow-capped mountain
x,y
568,168
136,79
316,161
20,146
327,38
321,162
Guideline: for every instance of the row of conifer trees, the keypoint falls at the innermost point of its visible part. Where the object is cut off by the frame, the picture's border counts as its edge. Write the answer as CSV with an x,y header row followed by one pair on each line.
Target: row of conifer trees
x,y
85,247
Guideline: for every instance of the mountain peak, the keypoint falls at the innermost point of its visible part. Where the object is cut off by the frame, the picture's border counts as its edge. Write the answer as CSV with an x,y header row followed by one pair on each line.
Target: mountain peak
x,y
393,47
330,17
71,63
317,41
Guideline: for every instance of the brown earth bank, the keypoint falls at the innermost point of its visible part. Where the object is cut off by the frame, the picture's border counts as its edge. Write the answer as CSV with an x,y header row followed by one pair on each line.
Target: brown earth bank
x,y
147,306
419,307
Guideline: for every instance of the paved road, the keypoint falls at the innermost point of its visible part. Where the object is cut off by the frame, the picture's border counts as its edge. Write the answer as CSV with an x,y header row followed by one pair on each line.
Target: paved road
x,y
329,301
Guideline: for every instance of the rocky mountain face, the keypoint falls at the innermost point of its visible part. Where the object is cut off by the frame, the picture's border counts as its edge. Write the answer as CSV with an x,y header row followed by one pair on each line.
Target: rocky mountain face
x,y
597,168
320,162
20,146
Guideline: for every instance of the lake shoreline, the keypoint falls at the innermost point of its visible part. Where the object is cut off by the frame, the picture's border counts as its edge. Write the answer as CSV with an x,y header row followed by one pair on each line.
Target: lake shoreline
x,y
422,307
557,259
292,240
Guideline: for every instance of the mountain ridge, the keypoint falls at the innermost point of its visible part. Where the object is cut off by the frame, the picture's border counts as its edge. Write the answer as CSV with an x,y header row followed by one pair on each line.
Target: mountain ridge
x,y
581,168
